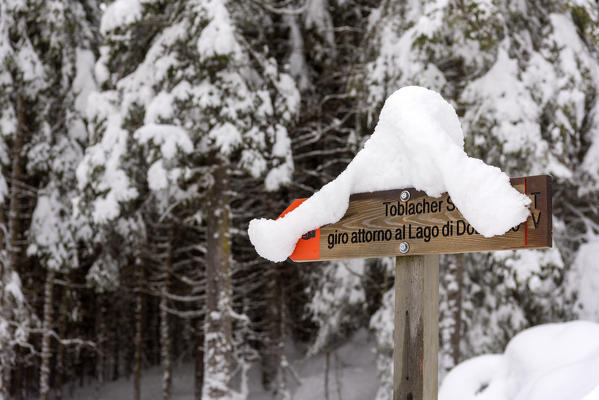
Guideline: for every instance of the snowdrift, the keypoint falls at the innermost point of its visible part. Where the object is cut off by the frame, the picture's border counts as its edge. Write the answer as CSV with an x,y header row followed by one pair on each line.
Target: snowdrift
x,y
548,362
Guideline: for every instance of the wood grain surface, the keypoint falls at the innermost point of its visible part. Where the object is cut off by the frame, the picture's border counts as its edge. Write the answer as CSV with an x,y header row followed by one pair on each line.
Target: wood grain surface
x,y
373,227
416,333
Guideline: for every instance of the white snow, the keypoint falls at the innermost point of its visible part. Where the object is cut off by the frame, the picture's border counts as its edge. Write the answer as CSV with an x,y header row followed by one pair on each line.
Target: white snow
x,y
106,155
397,54
253,162
30,63
138,87
278,176
84,83
432,19
161,107
168,137
104,274
337,299
8,122
548,362
3,189
281,174
101,72
297,61
226,137
525,267
418,142
157,176
318,17
218,37
470,376
282,146
585,279
512,106
287,88
119,13
51,238
352,373
14,287
594,395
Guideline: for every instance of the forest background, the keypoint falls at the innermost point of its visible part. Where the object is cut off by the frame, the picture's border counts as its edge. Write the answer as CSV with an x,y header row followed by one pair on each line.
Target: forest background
x,y
139,137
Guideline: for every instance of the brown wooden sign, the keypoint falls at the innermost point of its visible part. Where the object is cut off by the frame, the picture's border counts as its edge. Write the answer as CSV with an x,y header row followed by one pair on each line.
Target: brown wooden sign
x,y
384,223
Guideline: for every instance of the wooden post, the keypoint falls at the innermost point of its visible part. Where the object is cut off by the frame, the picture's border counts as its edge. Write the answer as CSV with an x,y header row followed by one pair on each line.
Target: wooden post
x,y
416,333
391,222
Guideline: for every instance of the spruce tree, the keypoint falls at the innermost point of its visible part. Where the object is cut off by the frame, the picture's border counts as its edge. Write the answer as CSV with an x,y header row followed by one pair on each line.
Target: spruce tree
x,y
188,107
46,58
523,79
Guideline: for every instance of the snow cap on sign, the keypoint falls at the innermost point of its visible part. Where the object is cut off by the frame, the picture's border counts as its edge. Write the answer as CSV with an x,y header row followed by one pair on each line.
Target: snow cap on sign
x,y
418,142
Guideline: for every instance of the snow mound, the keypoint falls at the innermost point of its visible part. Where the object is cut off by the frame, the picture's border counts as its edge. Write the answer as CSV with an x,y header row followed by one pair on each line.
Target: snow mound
x,y
547,362
418,142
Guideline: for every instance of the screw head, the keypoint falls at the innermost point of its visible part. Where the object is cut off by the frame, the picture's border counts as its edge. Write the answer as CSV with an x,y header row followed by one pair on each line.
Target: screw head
x,y
404,196
404,247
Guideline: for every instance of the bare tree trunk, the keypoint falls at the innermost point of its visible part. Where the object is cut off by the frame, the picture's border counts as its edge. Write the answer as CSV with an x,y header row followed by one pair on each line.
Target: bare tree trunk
x,y
12,241
60,353
283,365
101,329
327,367
3,366
3,229
115,334
338,369
451,322
165,342
217,343
154,339
199,367
457,316
139,311
46,336
165,349
271,359
14,228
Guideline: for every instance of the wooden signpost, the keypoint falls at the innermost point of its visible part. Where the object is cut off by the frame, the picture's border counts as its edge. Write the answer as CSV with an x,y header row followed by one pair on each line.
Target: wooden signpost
x,y
417,228
377,224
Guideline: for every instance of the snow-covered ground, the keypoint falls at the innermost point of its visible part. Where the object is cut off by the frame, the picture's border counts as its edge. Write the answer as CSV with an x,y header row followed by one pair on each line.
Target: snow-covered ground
x,y
352,370
547,362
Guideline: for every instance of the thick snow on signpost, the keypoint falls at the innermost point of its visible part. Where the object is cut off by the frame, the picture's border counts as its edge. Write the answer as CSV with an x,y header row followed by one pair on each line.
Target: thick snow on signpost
x,y
418,142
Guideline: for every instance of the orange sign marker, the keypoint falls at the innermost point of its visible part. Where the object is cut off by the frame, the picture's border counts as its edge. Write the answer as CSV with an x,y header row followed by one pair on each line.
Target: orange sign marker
x,y
308,247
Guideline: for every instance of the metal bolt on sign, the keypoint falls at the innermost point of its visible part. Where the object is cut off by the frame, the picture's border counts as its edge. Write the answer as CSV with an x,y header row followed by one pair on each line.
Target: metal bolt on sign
x,y
404,247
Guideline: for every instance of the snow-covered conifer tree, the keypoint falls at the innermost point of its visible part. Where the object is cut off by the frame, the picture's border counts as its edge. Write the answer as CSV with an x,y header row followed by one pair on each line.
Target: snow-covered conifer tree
x,y
187,107
46,56
523,79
